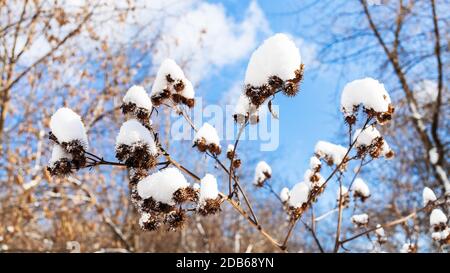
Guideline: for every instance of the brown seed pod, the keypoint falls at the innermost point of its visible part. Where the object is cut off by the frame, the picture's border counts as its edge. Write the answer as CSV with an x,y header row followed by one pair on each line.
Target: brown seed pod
x,y
202,146
60,168
149,222
159,98
210,206
236,163
188,102
76,149
178,86
291,87
136,156
175,219
350,120
185,194
296,213
384,117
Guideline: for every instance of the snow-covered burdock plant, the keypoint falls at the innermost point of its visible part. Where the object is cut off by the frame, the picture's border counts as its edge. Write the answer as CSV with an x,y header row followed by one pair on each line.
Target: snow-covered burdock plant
x,y
332,154
245,111
275,66
360,220
135,145
69,134
231,155
298,199
409,248
209,198
171,85
373,97
428,196
159,193
370,141
284,195
162,185
60,162
381,234
438,219
165,192
207,139
262,172
438,223
137,103
360,189
343,196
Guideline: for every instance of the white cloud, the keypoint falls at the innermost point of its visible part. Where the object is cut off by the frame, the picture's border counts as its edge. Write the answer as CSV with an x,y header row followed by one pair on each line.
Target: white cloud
x,y
205,38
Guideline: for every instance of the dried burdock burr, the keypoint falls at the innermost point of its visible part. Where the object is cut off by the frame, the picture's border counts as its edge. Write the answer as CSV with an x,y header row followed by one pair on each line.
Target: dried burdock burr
x,y
171,83
135,146
175,219
291,86
185,194
148,222
207,139
210,206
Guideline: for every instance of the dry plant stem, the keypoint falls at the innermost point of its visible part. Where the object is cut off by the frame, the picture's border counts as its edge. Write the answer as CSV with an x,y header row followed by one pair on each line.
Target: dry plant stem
x,y
437,51
338,228
235,179
272,191
241,129
401,220
313,233
309,228
361,164
294,222
235,205
96,160
239,209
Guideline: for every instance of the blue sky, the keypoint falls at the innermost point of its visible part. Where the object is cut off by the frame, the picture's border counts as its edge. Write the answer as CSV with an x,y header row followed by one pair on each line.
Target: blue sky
x,y
310,116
